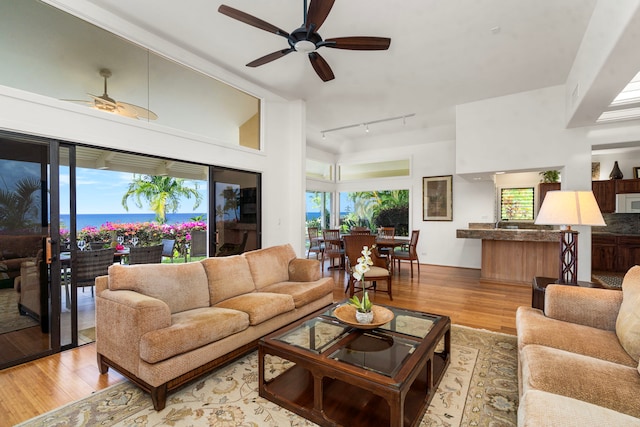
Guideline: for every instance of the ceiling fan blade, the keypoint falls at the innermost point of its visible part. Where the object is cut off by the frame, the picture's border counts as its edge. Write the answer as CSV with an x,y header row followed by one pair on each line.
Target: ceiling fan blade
x,y
131,110
358,43
322,68
251,20
270,57
318,12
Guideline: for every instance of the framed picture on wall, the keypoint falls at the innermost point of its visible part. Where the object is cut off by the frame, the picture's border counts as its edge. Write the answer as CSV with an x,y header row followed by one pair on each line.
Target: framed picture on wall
x,y
437,203
636,172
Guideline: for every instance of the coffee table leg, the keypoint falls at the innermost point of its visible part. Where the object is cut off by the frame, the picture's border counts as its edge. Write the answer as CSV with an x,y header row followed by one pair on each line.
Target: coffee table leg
x,y
396,406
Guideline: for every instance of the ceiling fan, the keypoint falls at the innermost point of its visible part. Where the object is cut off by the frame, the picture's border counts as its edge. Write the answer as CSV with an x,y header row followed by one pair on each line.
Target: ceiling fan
x,y
105,103
306,38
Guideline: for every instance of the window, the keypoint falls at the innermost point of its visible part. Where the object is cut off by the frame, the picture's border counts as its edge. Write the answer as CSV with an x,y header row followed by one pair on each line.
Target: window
x,y
516,203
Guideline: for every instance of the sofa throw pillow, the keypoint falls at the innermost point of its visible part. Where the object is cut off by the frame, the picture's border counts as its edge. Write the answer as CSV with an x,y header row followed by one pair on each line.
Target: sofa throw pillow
x,y
182,286
270,265
628,321
228,277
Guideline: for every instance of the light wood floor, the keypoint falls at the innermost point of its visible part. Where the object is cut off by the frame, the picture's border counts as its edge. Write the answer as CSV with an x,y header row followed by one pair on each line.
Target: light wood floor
x,y
40,386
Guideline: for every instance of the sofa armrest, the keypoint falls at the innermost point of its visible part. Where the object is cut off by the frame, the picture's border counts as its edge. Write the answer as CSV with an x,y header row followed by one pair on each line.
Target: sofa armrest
x,y
304,270
593,307
122,318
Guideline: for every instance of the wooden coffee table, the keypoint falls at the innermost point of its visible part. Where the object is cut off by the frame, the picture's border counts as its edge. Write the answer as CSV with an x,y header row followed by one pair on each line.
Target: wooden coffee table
x,y
340,375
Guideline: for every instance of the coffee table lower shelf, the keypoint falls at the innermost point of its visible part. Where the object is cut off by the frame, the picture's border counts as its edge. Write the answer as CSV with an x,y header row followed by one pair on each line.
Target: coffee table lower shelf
x,y
344,404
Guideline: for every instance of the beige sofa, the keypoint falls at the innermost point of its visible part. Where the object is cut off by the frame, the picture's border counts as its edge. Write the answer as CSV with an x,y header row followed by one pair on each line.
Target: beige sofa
x,y
578,361
162,325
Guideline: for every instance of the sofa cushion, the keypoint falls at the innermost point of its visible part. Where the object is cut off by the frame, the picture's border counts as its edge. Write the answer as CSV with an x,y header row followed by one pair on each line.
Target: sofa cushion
x,y
190,330
270,265
181,286
260,306
628,322
228,277
535,328
581,377
303,292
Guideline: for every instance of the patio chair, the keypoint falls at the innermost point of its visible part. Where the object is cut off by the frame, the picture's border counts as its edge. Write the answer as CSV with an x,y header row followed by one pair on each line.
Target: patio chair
x,y
228,249
168,248
146,254
87,265
379,271
409,253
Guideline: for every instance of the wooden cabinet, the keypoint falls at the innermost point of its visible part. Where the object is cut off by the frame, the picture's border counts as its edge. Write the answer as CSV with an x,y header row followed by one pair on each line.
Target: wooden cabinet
x,y
544,187
627,186
603,252
614,253
605,194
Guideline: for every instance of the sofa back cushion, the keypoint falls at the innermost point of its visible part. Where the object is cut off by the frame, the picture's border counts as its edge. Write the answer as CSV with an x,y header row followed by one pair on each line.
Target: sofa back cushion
x,y
181,286
270,265
628,322
228,277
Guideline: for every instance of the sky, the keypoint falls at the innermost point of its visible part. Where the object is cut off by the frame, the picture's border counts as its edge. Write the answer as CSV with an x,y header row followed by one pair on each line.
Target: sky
x,y
101,192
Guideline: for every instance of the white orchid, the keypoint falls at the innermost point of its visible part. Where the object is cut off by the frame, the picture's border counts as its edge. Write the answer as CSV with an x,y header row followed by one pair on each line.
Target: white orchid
x,y
364,264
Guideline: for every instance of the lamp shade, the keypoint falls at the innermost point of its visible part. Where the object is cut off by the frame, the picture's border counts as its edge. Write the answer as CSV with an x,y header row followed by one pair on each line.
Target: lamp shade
x,y
570,208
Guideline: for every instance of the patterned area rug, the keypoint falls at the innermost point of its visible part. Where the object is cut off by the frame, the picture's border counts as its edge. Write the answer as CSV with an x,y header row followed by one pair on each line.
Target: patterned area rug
x,y
10,319
479,389
609,281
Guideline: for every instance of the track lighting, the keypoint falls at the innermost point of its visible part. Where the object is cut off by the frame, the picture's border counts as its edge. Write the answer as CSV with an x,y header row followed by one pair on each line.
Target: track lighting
x,y
366,124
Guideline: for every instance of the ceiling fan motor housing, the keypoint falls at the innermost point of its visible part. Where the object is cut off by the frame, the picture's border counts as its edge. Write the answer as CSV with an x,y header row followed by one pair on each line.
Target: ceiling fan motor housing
x,y
303,40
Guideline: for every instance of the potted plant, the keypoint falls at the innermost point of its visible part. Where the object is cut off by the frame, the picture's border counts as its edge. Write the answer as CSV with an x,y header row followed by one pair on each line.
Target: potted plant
x,y
363,308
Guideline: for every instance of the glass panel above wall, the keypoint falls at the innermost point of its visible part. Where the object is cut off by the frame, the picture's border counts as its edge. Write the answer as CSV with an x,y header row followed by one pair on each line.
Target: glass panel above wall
x,y
392,168
319,170
49,52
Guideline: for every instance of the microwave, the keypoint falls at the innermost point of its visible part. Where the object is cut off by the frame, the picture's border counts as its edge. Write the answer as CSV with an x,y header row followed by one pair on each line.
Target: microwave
x,y
628,203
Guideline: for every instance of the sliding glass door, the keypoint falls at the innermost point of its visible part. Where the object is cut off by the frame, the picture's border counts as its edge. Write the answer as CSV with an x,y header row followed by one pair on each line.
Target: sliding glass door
x,y
29,265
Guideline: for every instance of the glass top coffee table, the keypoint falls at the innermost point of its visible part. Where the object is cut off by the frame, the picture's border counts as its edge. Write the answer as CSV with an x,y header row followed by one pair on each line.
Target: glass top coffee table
x,y
335,374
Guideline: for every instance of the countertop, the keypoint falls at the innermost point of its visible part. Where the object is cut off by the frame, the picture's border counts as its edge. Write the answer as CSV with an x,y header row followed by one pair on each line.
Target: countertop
x,y
519,234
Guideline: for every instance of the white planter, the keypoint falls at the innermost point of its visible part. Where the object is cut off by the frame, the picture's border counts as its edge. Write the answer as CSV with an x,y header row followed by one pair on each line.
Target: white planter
x,y
364,318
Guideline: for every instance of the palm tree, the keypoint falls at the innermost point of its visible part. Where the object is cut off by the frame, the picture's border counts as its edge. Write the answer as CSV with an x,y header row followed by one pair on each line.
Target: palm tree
x,y
19,209
162,193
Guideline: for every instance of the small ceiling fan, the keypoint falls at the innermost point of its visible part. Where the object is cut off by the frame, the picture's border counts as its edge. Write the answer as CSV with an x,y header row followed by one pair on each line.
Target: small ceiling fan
x,y
306,38
105,103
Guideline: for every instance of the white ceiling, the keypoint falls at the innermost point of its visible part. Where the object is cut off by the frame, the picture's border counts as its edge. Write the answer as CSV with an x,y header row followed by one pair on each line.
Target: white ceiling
x,y
442,53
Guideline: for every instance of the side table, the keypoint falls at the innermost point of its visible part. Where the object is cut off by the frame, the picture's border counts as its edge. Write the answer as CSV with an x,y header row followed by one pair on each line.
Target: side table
x,y
540,285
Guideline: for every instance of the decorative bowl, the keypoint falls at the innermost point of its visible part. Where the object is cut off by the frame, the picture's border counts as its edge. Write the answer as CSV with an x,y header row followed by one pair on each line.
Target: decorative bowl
x,y
347,314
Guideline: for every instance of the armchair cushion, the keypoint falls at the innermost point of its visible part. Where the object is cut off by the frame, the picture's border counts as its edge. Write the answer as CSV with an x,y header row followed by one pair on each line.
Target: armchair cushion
x,y
220,269
593,307
181,286
628,322
535,328
581,377
190,330
375,271
260,306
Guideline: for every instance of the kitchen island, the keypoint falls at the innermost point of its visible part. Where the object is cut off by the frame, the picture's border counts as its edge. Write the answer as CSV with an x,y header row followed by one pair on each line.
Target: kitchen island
x,y
515,255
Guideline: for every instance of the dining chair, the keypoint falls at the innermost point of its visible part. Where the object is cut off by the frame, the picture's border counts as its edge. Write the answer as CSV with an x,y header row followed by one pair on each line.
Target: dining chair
x,y
146,254
359,230
315,245
386,233
332,247
379,271
408,253
87,265
168,248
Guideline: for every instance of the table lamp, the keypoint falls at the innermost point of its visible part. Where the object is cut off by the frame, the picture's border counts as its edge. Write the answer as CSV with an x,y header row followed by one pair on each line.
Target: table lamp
x,y
567,208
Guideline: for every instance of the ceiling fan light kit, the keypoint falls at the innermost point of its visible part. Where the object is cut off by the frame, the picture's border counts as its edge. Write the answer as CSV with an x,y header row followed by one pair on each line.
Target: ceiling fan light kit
x,y
105,103
306,39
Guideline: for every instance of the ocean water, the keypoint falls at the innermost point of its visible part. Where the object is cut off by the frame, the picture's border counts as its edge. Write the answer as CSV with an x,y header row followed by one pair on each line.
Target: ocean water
x,y
96,220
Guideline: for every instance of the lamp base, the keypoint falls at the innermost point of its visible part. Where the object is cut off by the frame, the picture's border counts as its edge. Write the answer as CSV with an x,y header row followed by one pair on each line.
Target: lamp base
x,y
568,268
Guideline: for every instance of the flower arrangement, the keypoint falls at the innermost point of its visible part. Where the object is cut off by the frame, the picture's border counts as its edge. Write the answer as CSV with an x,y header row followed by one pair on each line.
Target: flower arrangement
x,y
363,308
